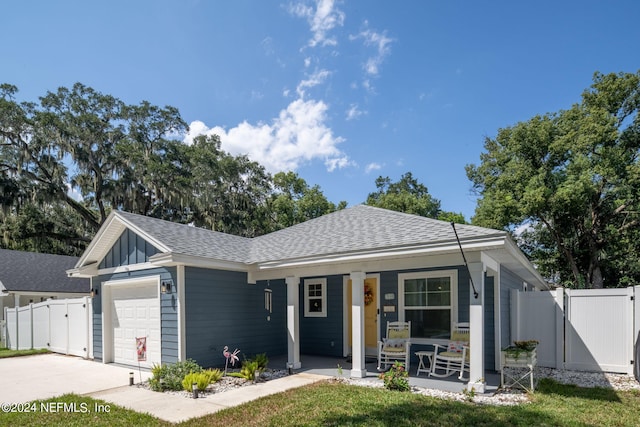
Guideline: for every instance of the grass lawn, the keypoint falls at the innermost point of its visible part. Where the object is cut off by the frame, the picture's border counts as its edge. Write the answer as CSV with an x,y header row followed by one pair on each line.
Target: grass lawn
x,y
5,352
334,404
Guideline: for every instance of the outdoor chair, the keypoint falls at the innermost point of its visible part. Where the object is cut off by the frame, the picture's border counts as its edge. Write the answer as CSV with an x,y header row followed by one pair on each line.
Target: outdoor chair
x,y
453,357
395,347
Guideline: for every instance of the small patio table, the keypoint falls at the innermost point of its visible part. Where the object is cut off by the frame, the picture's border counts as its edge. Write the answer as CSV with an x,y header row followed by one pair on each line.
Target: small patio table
x,y
421,366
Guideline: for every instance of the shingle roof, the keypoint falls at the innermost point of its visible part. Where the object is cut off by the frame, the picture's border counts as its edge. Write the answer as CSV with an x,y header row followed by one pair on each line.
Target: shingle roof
x,y
35,272
189,240
359,228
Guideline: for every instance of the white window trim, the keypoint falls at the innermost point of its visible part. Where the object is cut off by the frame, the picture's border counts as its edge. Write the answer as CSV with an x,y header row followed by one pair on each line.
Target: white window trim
x,y
323,290
453,277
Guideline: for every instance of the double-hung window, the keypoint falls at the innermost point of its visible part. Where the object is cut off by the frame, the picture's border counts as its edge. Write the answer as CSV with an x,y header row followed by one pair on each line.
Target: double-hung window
x,y
429,300
315,297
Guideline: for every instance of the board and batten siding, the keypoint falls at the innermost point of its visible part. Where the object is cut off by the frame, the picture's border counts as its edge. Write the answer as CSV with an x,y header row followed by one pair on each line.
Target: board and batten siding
x,y
132,249
129,249
323,335
222,309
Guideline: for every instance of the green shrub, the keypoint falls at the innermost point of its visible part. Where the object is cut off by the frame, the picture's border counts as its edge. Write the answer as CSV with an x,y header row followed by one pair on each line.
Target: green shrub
x,y
396,378
214,375
262,361
170,377
248,370
202,379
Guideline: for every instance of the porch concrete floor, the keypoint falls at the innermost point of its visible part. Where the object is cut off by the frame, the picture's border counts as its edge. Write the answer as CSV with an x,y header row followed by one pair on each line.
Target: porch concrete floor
x,y
329,366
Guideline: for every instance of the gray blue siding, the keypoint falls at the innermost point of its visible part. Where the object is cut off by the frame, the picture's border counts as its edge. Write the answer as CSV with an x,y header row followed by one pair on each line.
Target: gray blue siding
x,y
509,281
96,315
489,324
132,249
168,312
129,249
222,309
389,284
318,333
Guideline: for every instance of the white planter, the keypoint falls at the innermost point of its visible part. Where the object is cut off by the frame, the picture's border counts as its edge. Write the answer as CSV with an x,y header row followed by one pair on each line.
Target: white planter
x,y
523,359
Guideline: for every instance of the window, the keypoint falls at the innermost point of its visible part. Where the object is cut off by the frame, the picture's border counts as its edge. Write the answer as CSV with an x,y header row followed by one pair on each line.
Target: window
x,y
315,297
429,300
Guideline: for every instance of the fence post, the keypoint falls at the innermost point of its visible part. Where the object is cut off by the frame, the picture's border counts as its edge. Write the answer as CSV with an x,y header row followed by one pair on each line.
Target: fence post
x,y
559,328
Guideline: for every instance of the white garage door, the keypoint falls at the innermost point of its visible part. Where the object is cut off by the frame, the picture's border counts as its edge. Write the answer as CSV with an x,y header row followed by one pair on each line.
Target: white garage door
x,y
135,313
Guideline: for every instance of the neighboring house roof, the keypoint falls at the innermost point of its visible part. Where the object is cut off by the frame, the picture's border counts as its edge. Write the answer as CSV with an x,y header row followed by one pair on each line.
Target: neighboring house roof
x,y
356,230
35,272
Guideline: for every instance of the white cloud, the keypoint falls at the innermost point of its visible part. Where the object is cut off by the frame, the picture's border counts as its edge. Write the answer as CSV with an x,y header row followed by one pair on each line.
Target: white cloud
x,y
372,167
307,62
323,19
318,77
382,45
354,112
297,136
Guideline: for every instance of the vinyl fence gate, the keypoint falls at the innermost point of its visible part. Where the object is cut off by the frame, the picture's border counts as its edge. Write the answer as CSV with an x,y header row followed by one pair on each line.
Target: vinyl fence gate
x,y
62,326
584,330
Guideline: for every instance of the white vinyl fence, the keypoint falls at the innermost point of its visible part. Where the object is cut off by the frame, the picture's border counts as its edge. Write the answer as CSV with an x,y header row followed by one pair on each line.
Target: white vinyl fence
x,y
585,330
62,326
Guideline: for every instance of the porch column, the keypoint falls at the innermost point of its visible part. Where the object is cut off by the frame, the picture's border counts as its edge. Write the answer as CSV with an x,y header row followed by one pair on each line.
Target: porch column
x,y
358,369
293,322
476,328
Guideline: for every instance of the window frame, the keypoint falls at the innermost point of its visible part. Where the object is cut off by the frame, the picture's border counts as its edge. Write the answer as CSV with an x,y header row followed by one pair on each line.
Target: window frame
x,y
323,297
452,275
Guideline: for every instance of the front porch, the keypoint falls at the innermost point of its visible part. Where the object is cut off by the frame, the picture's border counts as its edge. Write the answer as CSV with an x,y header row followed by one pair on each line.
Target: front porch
x,y
328,366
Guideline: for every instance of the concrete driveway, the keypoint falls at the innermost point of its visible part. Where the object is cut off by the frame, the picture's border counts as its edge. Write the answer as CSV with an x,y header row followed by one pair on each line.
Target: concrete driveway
x,y
48,375
23,379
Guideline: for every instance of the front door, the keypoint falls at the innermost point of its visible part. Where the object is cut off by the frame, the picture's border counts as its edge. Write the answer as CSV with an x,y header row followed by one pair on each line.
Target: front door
x,y
370,315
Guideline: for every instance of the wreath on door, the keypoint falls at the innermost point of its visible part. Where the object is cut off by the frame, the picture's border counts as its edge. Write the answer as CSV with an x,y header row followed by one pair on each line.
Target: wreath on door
x,y
368,295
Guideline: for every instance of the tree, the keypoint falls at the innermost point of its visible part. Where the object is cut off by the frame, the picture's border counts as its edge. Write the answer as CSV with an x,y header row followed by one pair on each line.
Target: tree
x,y
123,157
409,196
293,201
229,193
572,180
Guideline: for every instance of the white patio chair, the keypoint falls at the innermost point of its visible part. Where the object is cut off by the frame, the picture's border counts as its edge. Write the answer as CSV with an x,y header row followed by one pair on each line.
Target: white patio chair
x,y
453,357
395,347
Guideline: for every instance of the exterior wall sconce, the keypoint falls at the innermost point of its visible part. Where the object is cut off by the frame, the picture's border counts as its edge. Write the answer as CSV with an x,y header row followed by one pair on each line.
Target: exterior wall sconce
x,y
166,286
94,292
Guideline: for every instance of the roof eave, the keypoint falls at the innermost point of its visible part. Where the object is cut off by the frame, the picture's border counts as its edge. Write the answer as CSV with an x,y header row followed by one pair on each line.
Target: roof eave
x,y
445,247
87,271
171,259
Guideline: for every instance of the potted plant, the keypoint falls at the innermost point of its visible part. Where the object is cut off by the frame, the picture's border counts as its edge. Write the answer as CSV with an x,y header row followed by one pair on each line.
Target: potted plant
x,y
520,353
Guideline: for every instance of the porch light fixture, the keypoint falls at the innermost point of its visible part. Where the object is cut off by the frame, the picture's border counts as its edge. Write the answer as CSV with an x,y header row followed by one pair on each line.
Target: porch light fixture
x,y
94,292
165,287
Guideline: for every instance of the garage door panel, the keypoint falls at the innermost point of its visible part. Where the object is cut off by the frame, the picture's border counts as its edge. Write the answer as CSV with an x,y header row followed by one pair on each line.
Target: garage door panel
x,y
136,313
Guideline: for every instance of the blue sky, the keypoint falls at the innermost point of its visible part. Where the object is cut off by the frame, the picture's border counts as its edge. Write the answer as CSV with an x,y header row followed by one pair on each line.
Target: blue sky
x,y
339,91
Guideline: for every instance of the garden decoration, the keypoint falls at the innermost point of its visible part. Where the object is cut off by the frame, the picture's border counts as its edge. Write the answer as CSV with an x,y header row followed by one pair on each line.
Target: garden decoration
x,y
230,356
518,365
368,295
